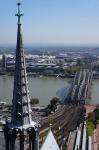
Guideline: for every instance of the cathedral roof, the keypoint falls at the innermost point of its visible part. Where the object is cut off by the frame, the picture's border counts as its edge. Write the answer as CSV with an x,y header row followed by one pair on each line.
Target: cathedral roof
x,y
50,142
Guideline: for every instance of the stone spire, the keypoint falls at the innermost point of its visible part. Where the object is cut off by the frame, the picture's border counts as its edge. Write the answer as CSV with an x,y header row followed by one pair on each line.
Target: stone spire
x,y
21,111
21,128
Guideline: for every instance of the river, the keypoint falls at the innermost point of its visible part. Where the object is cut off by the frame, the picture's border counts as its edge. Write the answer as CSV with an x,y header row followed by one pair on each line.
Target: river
x,y
42,88
95,92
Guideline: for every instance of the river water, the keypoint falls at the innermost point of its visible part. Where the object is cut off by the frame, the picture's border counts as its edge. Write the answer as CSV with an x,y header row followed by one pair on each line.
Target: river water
x,y
95,93
42,88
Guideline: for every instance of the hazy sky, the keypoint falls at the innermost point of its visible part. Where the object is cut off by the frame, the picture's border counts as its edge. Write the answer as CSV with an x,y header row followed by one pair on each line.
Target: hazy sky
x,y
51,21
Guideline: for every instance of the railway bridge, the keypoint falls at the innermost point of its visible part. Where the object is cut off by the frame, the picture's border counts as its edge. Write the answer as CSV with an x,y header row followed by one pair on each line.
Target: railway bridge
x,y
80,89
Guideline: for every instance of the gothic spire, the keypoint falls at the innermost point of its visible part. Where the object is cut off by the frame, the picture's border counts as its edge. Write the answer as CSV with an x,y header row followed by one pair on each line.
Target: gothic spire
x,y
21,127
21,110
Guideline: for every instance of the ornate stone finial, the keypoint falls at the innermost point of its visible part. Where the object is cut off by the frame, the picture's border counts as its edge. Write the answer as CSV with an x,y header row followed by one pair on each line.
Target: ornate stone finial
x,y
19,15
18,1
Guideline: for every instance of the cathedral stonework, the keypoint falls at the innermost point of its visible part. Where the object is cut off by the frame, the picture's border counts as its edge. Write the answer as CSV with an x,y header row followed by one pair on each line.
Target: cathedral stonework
x,y
22,132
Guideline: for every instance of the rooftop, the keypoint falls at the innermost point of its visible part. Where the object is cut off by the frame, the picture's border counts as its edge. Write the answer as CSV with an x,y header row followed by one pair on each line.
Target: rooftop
x,y
50,142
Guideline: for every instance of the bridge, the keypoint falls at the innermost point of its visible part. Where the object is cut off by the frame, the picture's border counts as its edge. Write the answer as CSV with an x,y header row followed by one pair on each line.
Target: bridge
x,y
80,89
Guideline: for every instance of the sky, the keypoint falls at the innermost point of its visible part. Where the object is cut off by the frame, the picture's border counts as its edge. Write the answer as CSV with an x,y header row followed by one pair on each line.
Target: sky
x,y
51,21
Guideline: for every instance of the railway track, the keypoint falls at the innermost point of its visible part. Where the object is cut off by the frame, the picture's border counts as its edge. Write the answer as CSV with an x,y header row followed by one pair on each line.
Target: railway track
x,y
63,121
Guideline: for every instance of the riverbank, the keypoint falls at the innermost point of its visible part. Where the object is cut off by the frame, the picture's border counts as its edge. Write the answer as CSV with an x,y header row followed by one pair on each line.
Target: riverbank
x,y
58,75
31,74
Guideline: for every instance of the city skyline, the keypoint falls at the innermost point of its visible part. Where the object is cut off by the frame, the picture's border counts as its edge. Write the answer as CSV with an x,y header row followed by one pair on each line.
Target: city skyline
x,y
52,22
70,119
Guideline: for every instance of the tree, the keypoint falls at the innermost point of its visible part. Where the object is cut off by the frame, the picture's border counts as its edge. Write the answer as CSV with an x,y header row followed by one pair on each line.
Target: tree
x,y
54,100
53,103
48,109
34,101
79,62
96,114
